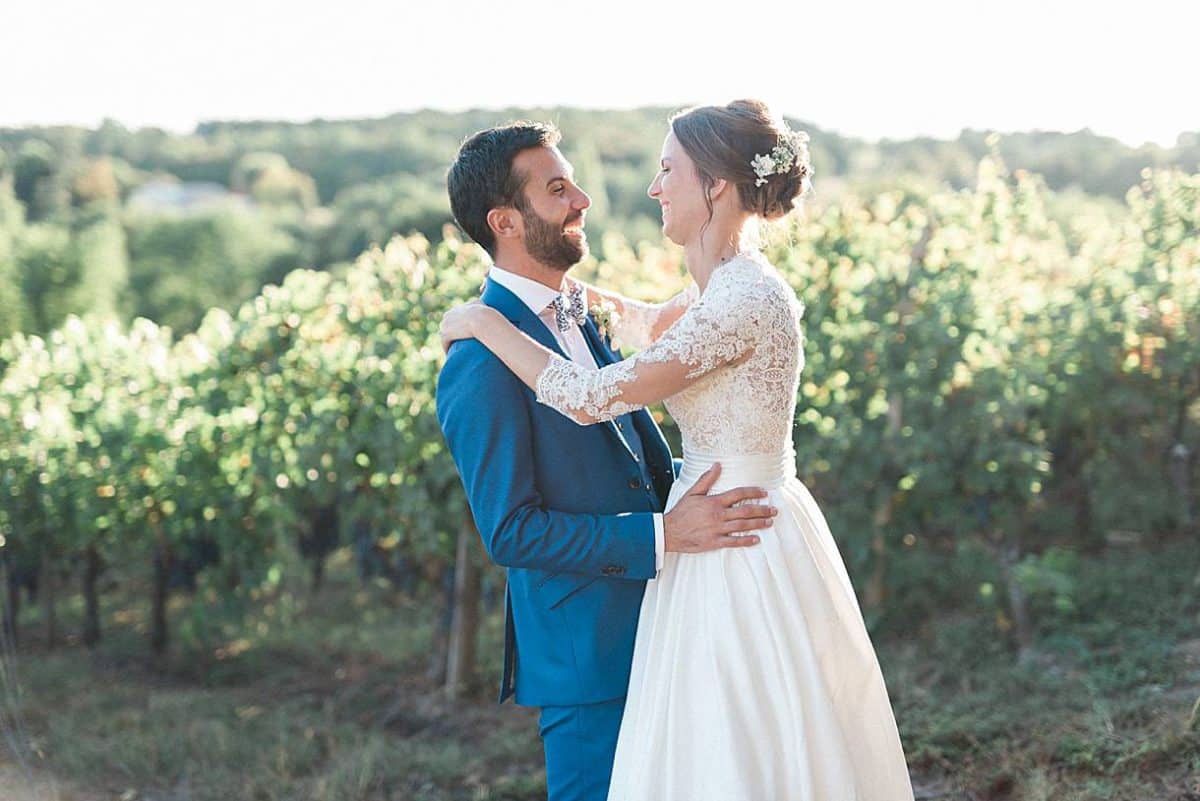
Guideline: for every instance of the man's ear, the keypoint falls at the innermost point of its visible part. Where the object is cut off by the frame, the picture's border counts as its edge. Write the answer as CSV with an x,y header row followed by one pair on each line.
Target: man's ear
x,y
505,222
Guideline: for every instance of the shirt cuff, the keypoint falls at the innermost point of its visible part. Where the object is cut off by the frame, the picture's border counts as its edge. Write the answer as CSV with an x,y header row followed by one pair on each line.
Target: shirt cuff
x,y
659,543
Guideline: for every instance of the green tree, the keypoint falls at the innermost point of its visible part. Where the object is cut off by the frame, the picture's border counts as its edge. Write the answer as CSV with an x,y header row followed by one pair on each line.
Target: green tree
x,y
36,182
13,308
48,273
181,267
103,267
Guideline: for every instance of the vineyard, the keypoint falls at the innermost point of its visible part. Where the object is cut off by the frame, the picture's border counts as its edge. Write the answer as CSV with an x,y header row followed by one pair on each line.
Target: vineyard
x,y
979,383
989,397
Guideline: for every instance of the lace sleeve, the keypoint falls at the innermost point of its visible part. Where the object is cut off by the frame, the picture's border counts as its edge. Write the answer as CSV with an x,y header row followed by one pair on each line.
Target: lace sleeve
x,y
638,324
721,327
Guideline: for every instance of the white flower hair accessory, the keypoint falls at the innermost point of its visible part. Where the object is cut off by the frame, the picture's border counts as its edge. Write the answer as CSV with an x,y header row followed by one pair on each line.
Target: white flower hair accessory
x,y
792,146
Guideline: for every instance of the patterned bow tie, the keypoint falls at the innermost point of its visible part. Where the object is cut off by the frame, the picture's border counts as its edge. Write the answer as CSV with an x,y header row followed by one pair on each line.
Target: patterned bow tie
x,y
569,309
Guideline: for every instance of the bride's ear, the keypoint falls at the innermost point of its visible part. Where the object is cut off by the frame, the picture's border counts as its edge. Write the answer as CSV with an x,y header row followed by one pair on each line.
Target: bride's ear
x,y
718,186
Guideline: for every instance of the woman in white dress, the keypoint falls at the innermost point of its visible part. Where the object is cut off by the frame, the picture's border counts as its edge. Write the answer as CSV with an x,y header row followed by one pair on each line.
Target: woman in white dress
x,y
754,678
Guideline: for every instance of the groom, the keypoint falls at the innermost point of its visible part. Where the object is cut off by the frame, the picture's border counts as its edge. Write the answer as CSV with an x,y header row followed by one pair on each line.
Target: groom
x,y
574,512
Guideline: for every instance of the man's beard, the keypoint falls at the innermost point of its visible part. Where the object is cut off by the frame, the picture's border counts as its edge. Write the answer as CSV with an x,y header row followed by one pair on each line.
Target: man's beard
x,y
547,244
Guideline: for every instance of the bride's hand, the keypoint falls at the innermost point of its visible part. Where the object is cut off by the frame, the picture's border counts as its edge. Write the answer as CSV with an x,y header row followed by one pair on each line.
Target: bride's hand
x,y
459,322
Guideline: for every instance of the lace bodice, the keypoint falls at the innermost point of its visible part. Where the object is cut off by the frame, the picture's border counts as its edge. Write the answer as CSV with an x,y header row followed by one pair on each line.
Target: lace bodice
x,y
728,369
637,322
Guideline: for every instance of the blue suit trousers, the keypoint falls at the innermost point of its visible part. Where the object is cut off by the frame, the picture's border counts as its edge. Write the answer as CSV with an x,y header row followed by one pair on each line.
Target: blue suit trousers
x,y
580,743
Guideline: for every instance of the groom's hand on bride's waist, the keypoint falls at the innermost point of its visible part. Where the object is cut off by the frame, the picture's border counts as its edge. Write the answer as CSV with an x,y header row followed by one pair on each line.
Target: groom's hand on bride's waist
x,y
703,522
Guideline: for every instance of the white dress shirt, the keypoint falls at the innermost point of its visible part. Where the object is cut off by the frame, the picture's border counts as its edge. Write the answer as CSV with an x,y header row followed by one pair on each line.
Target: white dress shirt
x,y
538,297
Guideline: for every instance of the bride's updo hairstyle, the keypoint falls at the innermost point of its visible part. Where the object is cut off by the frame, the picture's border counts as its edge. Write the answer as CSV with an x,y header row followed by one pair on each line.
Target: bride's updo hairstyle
x,y
725,141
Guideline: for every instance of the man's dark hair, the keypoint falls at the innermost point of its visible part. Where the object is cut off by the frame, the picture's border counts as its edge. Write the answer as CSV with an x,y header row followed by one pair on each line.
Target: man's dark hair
x,y
482,176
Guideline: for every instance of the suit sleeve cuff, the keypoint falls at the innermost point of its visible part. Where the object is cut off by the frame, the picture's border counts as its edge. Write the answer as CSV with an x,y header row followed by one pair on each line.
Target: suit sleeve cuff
x,y
659,543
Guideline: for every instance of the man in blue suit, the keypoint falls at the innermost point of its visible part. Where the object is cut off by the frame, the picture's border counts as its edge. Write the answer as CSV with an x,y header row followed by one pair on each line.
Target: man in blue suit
x,y
574,512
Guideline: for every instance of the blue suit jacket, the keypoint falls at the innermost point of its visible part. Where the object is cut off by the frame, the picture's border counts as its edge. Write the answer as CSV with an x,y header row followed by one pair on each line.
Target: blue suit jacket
x,y
566,508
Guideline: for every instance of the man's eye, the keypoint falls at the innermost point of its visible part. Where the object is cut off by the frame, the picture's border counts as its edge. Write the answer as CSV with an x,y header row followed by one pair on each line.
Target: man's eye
x,y
558,190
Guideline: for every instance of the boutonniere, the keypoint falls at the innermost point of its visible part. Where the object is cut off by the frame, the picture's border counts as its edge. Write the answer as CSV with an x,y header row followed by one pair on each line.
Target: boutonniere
x,y
607,318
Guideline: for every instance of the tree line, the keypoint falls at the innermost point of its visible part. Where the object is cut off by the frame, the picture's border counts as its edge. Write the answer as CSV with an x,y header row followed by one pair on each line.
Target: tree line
x,y
987,394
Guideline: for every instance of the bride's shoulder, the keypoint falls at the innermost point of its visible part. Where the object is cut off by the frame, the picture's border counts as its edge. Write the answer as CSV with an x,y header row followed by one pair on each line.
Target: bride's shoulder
x,y
742,270
751,277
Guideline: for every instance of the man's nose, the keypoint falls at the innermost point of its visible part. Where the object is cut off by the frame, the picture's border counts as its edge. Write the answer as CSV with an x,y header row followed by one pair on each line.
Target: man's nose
x,y
583,201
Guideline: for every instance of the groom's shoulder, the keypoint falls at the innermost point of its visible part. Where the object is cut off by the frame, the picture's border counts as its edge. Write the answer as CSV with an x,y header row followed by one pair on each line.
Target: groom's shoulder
x,y
469,363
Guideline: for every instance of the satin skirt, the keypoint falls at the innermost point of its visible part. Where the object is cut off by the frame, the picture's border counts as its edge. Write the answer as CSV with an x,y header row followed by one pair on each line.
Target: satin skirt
x,y
754,678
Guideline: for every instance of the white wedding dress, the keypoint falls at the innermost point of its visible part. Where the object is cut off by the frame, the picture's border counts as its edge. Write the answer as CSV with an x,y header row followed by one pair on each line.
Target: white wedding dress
x,y
754,678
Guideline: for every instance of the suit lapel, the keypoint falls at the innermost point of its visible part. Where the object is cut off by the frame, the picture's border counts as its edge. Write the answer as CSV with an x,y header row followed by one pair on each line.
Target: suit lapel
x,y
651,435
520,315
600,351
604,357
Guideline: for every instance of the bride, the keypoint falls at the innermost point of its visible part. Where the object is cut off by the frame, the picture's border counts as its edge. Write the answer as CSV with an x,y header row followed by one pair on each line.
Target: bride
x,y
754,678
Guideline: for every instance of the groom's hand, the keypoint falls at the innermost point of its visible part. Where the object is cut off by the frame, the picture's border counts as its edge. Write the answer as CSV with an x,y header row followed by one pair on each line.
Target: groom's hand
x,y
703,522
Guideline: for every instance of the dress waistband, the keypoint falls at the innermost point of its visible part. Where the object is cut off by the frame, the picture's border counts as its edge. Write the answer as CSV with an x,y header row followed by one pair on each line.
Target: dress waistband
x,y
740,470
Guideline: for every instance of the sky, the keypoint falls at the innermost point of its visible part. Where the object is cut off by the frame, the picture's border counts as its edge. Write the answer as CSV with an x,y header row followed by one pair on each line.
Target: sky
x,y
872,70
